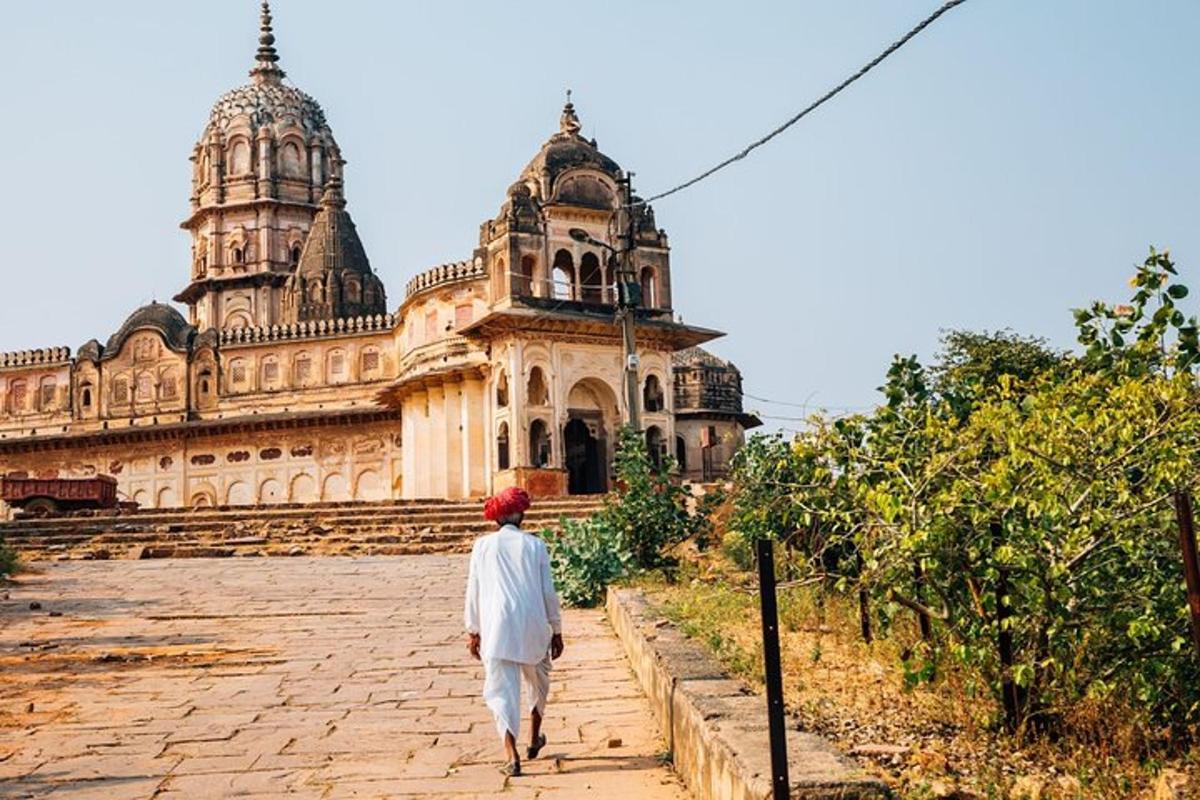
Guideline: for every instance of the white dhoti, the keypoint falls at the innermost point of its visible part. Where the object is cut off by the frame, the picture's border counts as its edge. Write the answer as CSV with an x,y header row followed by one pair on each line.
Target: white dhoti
x,y
502,691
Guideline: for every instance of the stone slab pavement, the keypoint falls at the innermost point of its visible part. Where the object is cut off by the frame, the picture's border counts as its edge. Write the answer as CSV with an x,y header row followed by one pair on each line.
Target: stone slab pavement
x,y
298,677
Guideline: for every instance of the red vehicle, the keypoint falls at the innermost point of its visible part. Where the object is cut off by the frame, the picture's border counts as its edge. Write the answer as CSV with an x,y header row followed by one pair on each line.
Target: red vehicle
x,y
41,497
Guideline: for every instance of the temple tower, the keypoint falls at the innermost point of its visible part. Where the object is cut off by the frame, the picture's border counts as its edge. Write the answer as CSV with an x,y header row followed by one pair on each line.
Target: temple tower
x,y
259,173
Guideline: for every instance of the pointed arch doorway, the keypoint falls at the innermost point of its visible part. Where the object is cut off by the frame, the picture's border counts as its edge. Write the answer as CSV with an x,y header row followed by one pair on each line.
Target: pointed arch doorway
x,y
592,416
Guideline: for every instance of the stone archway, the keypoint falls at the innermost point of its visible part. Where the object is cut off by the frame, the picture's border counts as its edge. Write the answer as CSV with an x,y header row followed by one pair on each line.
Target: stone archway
x,y
592,420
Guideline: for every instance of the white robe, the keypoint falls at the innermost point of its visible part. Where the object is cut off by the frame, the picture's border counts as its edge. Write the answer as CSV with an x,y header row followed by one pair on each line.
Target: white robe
x,y
512,605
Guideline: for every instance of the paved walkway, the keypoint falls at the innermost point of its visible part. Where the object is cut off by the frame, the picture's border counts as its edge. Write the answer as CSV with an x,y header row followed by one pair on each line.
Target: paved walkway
x,y
300,677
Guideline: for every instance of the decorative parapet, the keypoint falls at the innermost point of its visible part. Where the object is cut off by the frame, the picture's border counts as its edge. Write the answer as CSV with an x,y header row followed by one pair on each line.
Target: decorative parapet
x,y
445,274
311,329
42,357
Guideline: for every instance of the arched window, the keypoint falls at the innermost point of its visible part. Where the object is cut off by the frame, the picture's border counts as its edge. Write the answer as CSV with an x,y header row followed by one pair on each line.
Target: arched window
x,y
652,395
295,255
47,392
237,372
291,163
238,254
502,446
353,290
239,159
539,444
649,288
145,387
656,445
591,278
502,390
681,452
85,396
302,368
563,276
337,364
523,284
536,391
16,397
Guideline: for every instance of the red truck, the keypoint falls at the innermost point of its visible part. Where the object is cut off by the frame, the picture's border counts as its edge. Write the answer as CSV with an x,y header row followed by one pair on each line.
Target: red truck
x,y
42,497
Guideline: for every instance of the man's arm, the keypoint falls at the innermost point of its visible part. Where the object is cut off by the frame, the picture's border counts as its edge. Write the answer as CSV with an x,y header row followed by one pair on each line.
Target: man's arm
x,y
553,607
471,606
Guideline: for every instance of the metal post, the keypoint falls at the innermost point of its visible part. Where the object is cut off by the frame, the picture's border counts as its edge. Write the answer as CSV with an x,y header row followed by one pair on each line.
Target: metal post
x,y
773,669
1191,562
628,313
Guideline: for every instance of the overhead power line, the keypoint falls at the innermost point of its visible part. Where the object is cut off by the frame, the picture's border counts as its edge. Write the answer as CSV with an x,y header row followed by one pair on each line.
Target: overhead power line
x,y
896,45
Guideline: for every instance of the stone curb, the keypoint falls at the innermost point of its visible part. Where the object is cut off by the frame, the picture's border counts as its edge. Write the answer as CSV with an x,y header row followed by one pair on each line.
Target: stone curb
x,y
715,726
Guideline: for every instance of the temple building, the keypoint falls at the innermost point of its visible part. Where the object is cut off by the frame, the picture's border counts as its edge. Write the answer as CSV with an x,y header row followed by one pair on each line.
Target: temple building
x,y
288,377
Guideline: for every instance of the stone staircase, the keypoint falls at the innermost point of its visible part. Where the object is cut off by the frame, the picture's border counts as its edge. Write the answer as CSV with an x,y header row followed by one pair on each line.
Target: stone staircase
x,y
389,527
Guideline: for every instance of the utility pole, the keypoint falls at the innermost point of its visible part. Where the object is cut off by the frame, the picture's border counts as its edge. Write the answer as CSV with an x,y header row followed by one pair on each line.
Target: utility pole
x,y
628,299
629,294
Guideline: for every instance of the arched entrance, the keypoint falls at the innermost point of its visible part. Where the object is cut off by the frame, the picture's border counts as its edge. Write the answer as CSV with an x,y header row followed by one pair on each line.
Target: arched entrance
x,y
586,473
592,419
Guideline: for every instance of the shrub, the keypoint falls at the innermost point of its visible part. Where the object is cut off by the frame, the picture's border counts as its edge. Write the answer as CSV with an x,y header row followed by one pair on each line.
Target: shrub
x,y
585,557
648,510
9,562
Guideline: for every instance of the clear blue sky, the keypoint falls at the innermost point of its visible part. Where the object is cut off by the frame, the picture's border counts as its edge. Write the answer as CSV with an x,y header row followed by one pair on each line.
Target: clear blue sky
x,y
1011,163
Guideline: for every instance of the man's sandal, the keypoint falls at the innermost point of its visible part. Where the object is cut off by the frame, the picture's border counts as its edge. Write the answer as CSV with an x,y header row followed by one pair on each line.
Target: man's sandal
x,y
512,769
535,748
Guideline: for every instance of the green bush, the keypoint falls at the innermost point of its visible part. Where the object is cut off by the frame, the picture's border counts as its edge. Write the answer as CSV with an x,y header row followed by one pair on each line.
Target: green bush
x,y
585,557
647,509
9,561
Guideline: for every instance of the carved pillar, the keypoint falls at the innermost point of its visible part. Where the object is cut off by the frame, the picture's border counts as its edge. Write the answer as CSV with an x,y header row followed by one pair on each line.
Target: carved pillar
x,y
265,186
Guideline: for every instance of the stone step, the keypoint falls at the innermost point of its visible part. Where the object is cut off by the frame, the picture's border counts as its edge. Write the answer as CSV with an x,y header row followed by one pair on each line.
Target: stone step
x,y
268,527
386,528
261,513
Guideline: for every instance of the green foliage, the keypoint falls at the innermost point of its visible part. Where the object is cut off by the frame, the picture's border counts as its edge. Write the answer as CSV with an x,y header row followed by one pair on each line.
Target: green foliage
x,y
585,557
648,509
1012,489
9,561
640,521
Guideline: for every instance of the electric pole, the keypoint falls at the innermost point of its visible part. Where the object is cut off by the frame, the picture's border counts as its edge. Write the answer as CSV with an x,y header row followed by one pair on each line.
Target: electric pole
x,y
628,300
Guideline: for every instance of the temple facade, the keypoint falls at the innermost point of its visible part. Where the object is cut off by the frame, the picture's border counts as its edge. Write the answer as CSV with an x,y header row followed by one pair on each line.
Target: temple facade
x,y
284,375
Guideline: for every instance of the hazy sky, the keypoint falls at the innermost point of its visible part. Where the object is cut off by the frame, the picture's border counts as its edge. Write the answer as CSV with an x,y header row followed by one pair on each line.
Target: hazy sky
x,y
1011,163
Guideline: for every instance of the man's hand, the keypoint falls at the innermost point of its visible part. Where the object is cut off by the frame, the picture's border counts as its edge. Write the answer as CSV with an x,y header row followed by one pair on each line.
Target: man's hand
x,y
556,646
473,645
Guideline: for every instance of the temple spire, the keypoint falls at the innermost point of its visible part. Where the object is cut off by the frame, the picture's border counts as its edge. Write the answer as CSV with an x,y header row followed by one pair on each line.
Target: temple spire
x,y
266,61
569,123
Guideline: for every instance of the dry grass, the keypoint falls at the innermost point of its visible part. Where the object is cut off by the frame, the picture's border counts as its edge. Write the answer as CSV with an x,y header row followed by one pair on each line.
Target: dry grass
x,y
939,739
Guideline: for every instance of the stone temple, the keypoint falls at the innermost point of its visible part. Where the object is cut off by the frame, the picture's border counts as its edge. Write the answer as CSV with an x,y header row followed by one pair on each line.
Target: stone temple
x,y
290,379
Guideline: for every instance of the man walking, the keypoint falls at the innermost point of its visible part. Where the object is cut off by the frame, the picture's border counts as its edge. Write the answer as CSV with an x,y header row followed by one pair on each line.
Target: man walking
x,y
513,621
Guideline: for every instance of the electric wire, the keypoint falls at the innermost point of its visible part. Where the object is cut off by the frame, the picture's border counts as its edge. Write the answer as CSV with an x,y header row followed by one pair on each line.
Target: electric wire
x,y
870,65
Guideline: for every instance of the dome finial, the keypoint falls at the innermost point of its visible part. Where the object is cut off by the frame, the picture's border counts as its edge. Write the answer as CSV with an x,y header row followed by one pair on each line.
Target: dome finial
x,y
266,66
569,123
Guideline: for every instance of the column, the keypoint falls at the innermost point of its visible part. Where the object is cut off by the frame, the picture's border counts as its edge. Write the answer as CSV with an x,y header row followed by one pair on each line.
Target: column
x,y
455,485
436,457
408,440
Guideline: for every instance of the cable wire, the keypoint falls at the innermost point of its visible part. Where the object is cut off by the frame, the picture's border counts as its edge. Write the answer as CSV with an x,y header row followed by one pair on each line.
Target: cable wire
x,y
896,45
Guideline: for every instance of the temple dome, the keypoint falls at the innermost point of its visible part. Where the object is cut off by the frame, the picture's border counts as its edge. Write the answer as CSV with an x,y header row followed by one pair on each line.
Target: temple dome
x,y
160,317
266,100
267,104
567,151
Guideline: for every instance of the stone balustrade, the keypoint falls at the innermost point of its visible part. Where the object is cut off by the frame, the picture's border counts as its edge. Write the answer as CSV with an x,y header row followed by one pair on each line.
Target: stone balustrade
x,y
309,330
445,274
42,357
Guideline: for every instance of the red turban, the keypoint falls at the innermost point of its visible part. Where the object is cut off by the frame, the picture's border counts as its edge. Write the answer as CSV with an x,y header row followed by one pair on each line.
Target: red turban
x,y
513,500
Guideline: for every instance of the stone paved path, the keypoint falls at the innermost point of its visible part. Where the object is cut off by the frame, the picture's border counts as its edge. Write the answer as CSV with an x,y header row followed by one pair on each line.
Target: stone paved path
x,y
310,678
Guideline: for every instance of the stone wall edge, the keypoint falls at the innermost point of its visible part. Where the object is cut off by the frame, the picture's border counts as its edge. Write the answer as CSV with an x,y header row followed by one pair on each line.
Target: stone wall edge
x,y
715,730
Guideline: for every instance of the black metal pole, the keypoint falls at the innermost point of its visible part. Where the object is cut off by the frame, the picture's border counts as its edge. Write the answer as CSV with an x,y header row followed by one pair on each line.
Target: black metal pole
x,y
1191,560
774,673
